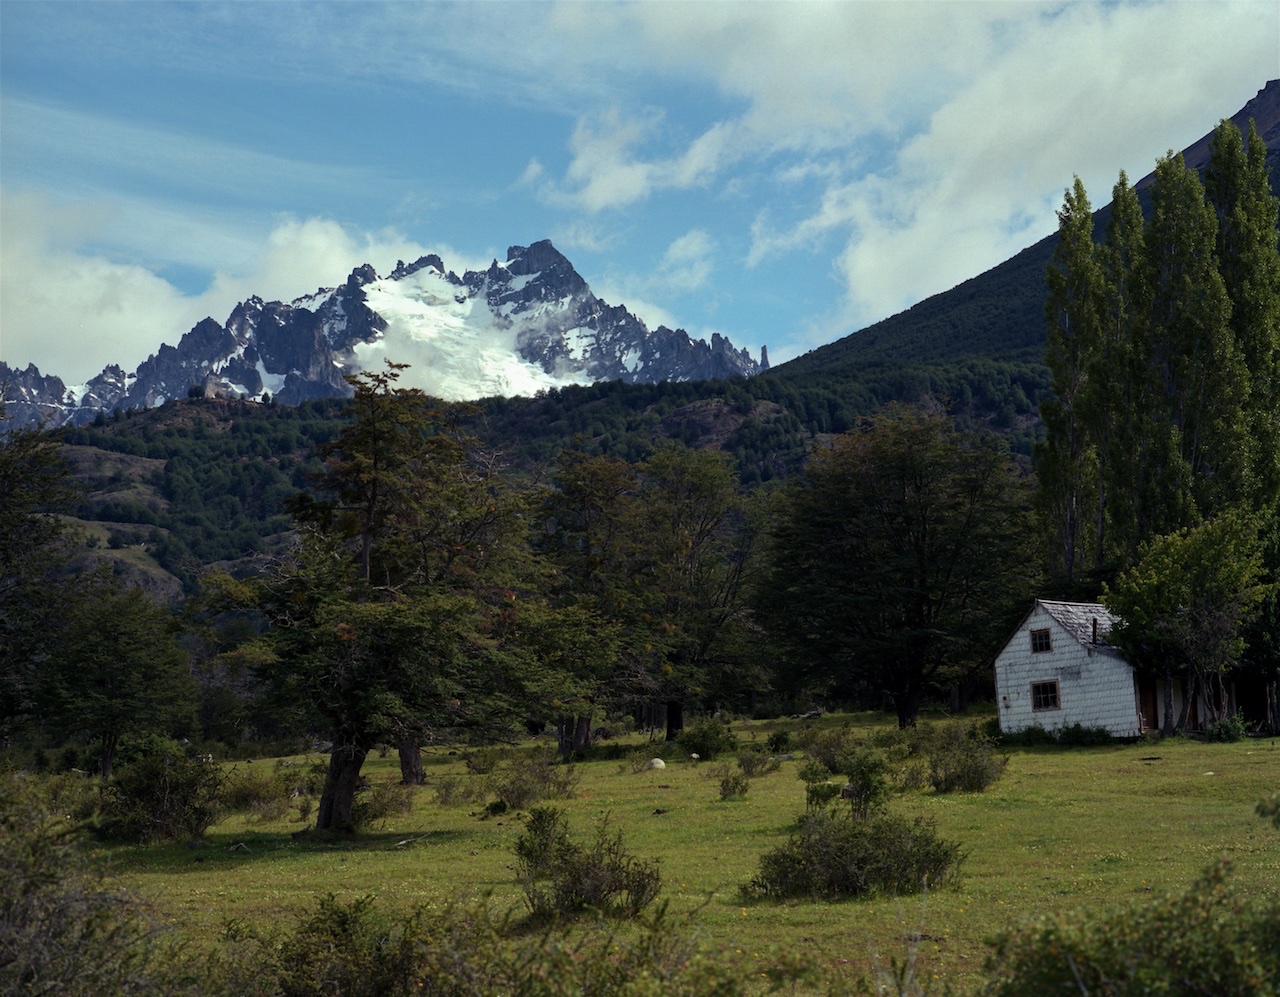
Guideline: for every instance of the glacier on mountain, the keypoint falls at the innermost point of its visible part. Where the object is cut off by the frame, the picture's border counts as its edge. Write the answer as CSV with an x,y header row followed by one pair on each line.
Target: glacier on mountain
x,y
519,327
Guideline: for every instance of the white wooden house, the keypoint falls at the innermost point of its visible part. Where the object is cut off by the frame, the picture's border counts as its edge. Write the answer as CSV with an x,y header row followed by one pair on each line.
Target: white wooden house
x,y
1058,670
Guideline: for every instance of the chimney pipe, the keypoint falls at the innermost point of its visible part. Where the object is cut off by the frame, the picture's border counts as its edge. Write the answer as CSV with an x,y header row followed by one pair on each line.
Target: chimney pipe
x,y
1095,630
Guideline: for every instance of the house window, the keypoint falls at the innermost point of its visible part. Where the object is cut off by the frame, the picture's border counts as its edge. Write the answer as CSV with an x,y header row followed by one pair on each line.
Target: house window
x,y
1044,696
1040,641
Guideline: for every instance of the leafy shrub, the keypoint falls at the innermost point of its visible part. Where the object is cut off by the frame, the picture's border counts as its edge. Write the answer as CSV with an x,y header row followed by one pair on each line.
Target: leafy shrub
x,y
819,794
1269,809
602,877
545,836
819,790
1227,730
1204,940
826,746
779,742
638,760
831,856
357,949
755,761
1080,736
963,758
264,793
61,930
456,790
868,775
532,778
1075,735
162,796
380,802
707,738
347,949
734,786
483,761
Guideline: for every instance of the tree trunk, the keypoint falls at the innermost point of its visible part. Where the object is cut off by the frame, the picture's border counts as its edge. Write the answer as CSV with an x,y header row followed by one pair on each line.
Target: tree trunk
x,y
675,718
582,733
1189,688
337,800
410,762
107,759
1167,728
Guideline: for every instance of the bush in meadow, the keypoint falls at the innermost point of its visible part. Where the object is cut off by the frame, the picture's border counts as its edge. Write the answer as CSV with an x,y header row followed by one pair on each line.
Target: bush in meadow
x,y
707,738
832,856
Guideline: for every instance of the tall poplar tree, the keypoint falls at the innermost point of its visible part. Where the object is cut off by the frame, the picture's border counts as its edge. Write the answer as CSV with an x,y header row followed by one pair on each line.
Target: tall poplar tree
x,y
1067,460
1121,421
1198,367
1248,248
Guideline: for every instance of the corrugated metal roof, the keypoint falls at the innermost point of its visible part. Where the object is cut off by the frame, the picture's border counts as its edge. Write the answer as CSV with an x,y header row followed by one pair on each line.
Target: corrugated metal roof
x,y
1077,618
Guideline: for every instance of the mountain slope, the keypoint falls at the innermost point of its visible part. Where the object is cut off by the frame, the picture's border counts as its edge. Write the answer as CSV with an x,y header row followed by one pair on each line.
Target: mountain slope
x,y
1000,313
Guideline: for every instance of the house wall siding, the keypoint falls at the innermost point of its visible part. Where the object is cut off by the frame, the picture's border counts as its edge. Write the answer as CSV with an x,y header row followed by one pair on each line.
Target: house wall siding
x,y
1095,688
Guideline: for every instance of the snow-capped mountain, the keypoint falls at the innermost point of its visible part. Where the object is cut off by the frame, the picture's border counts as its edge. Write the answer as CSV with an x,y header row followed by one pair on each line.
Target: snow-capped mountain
x,y
518,327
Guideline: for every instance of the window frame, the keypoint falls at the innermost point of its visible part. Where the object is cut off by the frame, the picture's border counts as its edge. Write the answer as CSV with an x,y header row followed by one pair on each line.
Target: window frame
x,y
1038,691
1041,640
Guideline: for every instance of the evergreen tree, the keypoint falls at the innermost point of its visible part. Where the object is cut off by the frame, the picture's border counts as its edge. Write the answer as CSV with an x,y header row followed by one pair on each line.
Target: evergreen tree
x,y
34,545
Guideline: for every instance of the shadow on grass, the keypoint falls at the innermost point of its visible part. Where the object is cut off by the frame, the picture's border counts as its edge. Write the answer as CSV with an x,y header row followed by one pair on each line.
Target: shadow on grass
x,y
231,849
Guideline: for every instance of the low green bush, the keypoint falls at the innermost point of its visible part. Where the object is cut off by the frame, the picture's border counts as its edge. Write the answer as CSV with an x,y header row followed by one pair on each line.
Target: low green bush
x,y
162,795
832,856
962,758
755,761
1206,939
453,790
707,738
530,778
62,931
1227,730
563,880
826,745
868,773
380,802
734,786
263,792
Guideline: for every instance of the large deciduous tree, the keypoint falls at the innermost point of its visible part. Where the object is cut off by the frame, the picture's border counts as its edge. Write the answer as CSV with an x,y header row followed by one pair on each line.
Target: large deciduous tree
x,y
383,620
119,669
897,559
1184,606
660,549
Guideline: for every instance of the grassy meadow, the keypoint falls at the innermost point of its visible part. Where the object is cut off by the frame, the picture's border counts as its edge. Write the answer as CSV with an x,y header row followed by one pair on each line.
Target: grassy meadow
x,y
1064,828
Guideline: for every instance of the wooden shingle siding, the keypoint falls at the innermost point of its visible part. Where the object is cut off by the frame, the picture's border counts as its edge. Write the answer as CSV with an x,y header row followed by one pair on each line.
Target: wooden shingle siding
x,y
1095,685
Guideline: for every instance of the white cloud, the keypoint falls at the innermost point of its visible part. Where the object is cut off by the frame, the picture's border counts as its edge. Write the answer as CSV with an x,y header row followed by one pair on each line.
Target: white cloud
x,y
71,312
687,264
1081,89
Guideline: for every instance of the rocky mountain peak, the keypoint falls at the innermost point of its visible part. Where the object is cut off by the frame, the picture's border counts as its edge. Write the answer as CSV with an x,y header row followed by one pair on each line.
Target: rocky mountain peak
x,y
514,328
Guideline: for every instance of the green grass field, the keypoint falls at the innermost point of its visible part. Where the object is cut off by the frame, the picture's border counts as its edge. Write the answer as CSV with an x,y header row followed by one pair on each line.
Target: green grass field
x,y
1063,829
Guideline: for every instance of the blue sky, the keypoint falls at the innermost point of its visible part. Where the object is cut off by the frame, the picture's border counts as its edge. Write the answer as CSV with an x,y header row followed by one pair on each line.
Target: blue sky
x,y
781,173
